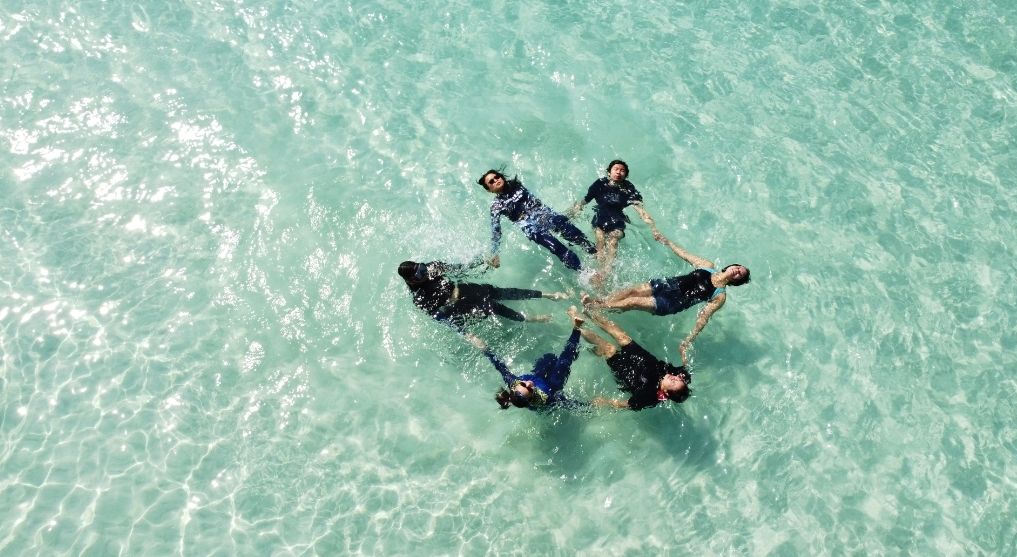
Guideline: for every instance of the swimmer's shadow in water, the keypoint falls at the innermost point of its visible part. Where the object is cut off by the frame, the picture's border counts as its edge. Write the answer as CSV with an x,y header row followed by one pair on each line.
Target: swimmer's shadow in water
x,y
568,444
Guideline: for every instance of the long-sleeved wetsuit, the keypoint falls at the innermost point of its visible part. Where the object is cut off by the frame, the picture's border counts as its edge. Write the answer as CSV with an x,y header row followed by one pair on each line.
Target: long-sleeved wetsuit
x,y
434,296
549,375
537,221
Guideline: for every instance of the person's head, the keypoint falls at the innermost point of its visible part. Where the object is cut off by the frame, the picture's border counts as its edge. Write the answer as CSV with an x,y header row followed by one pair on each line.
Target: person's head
x,y
492,181
676,385
736,274
617,170
519,394
412,272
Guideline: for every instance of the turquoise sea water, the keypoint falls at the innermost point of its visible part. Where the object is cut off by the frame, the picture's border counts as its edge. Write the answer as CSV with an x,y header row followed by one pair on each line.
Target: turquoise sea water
x,y
206,349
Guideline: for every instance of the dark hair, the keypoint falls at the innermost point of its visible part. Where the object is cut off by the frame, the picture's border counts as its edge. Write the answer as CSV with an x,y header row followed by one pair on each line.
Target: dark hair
x,y
506,397
742,280
407,269
621,162
491,171
684,394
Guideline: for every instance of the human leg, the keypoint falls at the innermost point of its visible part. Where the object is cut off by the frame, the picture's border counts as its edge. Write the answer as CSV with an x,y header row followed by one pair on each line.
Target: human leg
x,y
572,234
607,249
609,327
558,373
601,237
544,238
499,293
636,297
504,311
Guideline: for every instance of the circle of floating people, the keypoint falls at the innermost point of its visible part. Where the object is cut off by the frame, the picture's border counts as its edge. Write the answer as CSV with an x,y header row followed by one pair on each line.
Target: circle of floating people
x,y
440,290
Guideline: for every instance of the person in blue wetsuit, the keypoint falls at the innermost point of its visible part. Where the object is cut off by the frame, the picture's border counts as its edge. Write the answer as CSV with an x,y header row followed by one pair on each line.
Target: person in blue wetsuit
x,y
541,389
455,303
671,295
646,378
536,220
613,194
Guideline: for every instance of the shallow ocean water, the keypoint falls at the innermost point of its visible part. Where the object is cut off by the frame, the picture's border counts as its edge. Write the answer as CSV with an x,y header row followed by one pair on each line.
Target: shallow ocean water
x,y
206,349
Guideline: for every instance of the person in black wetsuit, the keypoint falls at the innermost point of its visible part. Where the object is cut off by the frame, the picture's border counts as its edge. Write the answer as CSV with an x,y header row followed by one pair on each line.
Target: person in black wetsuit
x,y
648,379
536,220
455,303
671,295
542,388
612,193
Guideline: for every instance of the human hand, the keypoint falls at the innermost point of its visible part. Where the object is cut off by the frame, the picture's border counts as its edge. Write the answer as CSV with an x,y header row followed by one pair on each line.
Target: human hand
x,y
476,341
683,349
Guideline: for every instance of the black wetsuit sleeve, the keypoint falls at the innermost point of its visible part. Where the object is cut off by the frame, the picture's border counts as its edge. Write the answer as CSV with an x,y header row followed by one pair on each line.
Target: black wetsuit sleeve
x,y
634,195
591,192
501,367
643,399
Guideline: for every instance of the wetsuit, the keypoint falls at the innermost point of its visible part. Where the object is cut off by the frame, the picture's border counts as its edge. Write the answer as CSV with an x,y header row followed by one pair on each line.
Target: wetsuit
x,y
675,294
611,200
537,221
475,300
639,372
549,375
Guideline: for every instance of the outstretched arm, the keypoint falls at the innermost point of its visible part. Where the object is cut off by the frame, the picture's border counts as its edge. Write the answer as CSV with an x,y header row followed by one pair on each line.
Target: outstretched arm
x,y
574,211
499,365
612,402
693,260
495,232
701,321
645,216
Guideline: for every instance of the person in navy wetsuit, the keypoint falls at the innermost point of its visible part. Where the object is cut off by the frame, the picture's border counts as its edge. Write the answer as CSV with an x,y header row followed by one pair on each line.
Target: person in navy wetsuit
x,y
648,379
455,303
613,194
671,295
541,389
536,220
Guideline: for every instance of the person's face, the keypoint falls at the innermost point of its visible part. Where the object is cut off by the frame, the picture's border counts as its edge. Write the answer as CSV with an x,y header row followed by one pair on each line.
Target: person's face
x,y
617,173
524,389
494,183
672,384
736,272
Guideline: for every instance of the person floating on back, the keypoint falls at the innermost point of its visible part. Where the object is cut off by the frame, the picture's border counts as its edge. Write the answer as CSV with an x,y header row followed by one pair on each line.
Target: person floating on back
x,y
674,294
535,219
455,303
649,380
612,193
541,389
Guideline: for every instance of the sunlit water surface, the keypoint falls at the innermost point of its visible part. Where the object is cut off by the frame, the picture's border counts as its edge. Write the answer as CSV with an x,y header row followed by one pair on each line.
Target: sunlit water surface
x,y
206,349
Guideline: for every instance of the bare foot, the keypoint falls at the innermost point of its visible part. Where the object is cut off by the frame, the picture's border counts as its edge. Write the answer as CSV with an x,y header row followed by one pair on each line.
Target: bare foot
x,y
577,320
557,296
539,318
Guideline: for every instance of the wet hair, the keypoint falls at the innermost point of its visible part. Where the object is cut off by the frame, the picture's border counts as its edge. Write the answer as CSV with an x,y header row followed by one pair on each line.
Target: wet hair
x,y
506,397
407,270
621,162
742,280
500,173
484,175
684,394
